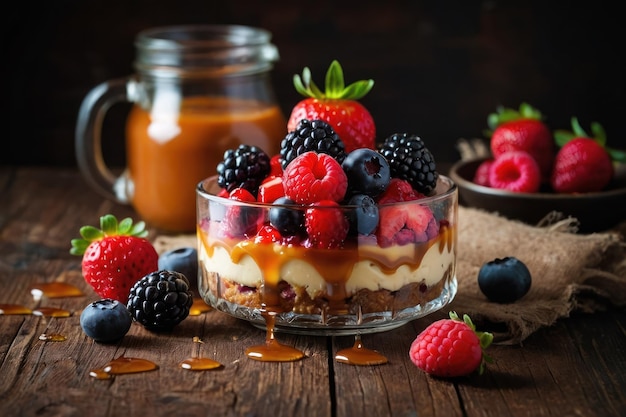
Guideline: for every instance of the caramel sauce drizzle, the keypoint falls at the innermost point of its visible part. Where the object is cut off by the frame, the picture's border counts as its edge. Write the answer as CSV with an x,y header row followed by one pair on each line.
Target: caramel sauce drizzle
x,y
272,350
335,265
123,365
54,290
199,307
357,354
196,362
52,337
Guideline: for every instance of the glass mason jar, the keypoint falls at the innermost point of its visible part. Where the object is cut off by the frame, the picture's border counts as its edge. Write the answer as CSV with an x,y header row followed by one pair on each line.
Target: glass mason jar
x,y
198,91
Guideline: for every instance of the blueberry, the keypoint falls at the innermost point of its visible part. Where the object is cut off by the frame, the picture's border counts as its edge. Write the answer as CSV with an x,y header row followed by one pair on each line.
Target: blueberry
x,y
288,221
504,280
183,260
368,172
105,320
365,214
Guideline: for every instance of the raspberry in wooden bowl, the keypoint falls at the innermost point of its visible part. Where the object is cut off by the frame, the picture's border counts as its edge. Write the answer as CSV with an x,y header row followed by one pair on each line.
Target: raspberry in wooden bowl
x,y
324,249
595,211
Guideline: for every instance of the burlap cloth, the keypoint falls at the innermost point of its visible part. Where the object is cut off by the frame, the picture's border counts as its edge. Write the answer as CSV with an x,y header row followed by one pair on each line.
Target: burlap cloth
x,y
569,271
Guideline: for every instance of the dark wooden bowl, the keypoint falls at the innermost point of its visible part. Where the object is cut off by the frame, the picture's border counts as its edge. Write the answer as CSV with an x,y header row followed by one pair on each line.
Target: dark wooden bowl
x,y
597,211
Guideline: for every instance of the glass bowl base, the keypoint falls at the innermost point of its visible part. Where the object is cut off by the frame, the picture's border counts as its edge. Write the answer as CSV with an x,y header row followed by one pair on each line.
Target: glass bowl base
x,y
341,325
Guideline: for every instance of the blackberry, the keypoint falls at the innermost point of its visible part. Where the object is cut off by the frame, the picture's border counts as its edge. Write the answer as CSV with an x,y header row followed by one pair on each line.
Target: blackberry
x,y
244,167
160,300
410,160
311,135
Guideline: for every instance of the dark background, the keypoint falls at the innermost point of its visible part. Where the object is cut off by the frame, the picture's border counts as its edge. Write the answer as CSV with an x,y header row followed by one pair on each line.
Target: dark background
x,y
440,67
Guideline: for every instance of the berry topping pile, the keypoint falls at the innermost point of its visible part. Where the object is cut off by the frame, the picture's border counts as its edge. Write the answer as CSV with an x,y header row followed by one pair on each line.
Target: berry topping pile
x,y
323,195
451,348
527,157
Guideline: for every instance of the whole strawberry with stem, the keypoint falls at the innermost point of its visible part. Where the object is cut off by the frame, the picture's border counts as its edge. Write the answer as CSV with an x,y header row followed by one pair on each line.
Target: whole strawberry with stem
x,y
451,348
337,105
583,163
115,256
522,129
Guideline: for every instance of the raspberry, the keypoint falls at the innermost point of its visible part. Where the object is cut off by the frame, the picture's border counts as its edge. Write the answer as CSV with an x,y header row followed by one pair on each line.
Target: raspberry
x,y
451,348
481,176
399,190
313,177
326,225
515,171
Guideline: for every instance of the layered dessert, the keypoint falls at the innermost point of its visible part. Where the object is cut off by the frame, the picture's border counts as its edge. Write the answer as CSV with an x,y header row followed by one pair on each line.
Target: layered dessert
x,y
326,238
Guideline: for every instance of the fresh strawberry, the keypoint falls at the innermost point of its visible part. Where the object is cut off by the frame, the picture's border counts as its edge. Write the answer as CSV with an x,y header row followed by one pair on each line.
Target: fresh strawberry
x,y
276,168
451,348
522,130
515,171
481,176
115,256
313,177
583,163
271,189
337,106
326,225
404,224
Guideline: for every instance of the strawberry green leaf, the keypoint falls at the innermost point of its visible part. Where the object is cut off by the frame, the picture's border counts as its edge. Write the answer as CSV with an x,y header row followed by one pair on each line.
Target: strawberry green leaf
x,y
335,88
577,129
109,227
91,233
334,81
561,136
139,230
616,155
79,246
505,114
125,226
598,133
108,224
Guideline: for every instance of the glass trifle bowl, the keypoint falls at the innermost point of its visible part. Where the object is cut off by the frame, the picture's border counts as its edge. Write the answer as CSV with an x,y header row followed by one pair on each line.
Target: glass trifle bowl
x,y
367,283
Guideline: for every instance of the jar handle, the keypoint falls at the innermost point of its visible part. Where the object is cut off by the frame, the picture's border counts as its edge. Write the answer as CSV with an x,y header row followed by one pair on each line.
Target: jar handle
x,y
88,140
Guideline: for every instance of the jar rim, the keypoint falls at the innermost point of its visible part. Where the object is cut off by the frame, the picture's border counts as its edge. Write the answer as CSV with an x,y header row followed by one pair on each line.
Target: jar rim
x,y
201,36
204,50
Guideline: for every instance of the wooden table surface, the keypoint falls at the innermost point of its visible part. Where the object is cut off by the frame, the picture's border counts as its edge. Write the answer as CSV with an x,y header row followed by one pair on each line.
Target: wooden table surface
x,y
574,368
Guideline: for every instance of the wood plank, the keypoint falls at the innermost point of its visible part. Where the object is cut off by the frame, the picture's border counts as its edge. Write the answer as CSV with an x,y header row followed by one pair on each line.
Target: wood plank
x,y
574,368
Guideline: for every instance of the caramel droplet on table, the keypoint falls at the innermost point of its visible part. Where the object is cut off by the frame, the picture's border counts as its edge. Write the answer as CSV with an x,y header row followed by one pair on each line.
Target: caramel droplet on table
x,y
272,350
51,312
54,290
359,355
200,364
10,309
123,365
199,307
52,337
